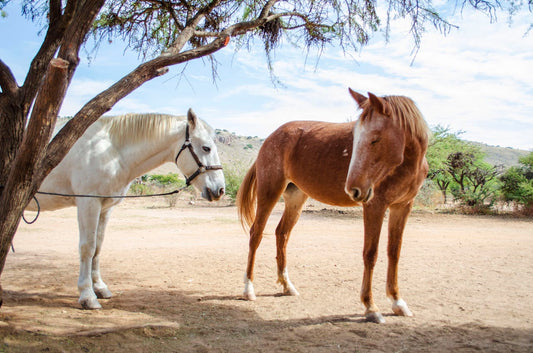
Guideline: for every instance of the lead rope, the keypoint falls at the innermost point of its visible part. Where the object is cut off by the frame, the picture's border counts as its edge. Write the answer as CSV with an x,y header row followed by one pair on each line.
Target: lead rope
x,y
97,197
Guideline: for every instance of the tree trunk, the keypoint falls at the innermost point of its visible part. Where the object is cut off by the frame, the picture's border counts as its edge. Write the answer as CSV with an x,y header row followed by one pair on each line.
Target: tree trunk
x,y
21,184
11,133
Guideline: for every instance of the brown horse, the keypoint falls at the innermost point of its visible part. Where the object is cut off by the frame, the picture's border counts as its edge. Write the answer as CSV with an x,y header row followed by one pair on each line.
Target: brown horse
x,y
377,161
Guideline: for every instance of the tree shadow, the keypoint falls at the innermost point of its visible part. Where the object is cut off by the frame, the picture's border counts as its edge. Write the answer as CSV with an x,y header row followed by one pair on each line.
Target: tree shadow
x,y
182,321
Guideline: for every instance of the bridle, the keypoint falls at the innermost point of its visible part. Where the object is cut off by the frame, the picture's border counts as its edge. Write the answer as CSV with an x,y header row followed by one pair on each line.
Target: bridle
x,y
201,167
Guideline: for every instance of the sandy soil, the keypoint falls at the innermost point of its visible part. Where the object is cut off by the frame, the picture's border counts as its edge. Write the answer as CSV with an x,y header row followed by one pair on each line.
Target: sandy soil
x,y
176,275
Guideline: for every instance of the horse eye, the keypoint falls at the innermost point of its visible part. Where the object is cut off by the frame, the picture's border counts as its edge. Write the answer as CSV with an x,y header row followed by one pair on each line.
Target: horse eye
x,y
375,141
206,149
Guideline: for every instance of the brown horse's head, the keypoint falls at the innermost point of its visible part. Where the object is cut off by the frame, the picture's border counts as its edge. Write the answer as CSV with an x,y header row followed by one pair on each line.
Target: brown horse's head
x,y
380,136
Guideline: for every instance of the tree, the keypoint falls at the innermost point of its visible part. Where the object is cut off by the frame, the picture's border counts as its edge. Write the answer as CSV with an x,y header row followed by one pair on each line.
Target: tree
x,y
517,184
456,165
443,143
474,179
168,32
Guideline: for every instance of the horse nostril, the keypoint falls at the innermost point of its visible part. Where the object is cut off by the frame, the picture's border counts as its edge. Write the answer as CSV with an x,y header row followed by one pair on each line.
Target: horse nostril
x,y
356,193
369,195
221,191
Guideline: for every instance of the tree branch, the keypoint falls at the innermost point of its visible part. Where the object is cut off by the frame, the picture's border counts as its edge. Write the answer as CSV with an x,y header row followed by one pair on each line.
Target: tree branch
x,y
188,32
264,17
55,11
8,83
78,29
104,101
51,42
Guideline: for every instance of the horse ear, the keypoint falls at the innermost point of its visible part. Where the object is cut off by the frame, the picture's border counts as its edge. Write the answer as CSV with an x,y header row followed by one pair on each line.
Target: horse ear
x,y
192,118
359,98
379,103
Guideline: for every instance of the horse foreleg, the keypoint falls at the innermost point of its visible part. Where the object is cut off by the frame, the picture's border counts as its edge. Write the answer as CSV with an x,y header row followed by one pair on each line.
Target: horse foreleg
x,y
294,201
88,218
100,288
397,220
373,219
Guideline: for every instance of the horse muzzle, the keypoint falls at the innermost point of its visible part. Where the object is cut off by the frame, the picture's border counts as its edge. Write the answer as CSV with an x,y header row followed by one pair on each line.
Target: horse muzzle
x,y
358,195
213,195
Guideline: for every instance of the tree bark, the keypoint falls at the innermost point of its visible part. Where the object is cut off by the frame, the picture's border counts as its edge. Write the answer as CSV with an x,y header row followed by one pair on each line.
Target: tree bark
x,y
20,186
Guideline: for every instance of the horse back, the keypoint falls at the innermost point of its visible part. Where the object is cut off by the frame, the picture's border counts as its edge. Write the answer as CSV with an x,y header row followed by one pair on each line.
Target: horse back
x,y
315,156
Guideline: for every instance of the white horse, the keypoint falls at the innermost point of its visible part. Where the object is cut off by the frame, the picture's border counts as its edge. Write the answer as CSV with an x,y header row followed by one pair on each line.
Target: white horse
x,y
107,158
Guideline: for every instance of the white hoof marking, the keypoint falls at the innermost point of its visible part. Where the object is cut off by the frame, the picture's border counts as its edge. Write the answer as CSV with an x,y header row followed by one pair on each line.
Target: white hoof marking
x,y
249,293
400,308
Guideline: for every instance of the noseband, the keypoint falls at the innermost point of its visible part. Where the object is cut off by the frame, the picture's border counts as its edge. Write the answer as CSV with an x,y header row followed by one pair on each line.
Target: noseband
x,y
201,168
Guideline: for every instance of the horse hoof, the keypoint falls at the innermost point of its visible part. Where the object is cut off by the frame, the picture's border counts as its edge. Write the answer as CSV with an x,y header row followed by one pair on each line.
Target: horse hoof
x,y
399,307
90,304
291,291
375,317
103,293
249,296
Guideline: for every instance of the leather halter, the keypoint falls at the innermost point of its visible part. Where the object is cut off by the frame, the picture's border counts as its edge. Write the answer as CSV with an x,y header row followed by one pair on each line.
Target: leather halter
x,y
201,167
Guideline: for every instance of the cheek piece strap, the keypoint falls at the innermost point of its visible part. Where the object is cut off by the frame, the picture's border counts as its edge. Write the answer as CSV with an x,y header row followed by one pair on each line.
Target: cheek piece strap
x,y
201,167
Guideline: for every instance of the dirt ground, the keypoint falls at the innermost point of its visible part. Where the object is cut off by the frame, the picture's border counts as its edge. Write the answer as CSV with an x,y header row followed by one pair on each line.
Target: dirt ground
x,y
177,276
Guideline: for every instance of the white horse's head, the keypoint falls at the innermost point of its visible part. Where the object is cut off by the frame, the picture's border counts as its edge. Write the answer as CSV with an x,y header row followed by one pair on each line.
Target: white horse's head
x,y
198,159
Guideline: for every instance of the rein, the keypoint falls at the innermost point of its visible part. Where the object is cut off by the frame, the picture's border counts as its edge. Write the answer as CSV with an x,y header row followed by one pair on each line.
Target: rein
x,y
201,167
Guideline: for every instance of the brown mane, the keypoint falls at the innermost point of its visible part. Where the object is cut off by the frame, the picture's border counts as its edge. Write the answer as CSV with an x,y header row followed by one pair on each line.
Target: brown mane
x,y
406,113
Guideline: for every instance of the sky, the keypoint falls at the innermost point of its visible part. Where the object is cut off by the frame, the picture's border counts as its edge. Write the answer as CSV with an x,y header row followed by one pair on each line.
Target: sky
x,y
477,79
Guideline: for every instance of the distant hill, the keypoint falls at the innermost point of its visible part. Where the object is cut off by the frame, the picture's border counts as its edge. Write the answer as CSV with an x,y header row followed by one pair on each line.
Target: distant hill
x,y
505,156
234,149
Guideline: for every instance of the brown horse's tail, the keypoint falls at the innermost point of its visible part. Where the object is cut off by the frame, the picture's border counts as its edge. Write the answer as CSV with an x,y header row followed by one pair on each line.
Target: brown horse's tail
x,y
246,198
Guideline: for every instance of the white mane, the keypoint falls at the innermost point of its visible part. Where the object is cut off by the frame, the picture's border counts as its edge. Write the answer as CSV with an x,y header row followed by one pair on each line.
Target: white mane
x,y
131,128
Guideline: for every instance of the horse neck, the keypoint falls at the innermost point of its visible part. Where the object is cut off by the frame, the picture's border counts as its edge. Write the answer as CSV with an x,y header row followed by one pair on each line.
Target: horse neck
x,y
414,150
144,156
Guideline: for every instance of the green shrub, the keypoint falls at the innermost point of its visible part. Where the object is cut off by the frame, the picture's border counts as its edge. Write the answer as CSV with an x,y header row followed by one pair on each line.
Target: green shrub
x,y
170,179
140,189
517,185
157,183
234,174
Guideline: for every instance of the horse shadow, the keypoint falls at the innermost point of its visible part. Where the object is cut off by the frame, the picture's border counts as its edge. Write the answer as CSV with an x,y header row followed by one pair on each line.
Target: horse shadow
x,y
220,322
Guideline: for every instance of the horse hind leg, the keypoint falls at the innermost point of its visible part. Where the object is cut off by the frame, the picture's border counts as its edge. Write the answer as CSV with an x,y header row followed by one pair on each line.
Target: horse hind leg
x,y
256,235
294,200
265,205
